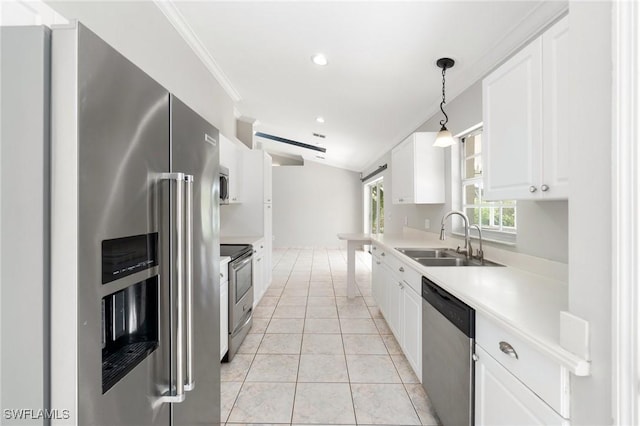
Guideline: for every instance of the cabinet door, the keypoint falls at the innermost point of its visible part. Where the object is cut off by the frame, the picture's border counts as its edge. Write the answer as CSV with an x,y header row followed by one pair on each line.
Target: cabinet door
x,y
394,305
258,277
501,399
555,48
512,117
224,318
268,244
412,329
377,285
268,179
402,170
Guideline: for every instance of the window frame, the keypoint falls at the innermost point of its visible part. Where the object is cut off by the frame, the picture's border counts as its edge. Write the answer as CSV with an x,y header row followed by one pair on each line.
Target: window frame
x,y
495,233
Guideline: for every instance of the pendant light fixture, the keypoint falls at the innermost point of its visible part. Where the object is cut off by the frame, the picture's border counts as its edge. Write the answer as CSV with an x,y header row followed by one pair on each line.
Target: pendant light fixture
x,y
444,137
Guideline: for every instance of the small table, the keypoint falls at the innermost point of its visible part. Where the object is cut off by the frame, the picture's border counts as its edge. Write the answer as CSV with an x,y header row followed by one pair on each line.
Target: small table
x,y
353,241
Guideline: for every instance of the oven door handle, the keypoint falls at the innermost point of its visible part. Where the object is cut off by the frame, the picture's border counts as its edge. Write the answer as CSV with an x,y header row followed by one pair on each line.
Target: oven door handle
x,y
238,266
189,383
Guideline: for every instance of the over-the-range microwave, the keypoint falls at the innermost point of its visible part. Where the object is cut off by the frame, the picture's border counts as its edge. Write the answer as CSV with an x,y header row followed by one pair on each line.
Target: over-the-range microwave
x,y
224,185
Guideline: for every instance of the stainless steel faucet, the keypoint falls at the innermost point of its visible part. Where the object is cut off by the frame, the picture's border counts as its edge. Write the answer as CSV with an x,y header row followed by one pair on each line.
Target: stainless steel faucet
x,y
468,251
480,252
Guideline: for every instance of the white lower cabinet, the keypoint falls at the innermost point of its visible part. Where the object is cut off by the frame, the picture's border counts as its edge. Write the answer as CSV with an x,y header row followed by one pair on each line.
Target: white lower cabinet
x,y
259,282
393,313
516,383
412,329
502,399
399,303
377,282
224,308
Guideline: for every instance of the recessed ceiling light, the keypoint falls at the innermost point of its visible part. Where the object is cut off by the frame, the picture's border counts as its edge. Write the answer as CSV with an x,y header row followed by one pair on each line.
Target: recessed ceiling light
x,y
319,59
320,119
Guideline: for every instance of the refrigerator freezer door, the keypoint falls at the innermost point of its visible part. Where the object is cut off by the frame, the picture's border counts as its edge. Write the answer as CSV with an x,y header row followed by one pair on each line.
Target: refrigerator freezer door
x,y
111,135
195,152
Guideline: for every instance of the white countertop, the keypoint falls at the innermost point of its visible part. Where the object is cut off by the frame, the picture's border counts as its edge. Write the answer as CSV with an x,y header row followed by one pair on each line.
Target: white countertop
x,y
241,239
224,259
525,303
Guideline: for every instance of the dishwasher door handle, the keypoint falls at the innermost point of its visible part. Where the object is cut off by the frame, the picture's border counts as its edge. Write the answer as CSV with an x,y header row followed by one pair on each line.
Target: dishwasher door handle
x,y
508,349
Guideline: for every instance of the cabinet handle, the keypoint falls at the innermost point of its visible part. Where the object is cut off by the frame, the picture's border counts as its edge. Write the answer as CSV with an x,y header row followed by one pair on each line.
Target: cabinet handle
x,y
544,188
532,189
377,262
400,285
401,269
382,254
375,248
401,200
221,275
508,349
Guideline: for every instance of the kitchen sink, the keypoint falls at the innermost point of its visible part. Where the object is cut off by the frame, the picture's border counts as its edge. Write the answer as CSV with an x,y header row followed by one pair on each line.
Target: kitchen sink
x,y
454,261
427,253
443,257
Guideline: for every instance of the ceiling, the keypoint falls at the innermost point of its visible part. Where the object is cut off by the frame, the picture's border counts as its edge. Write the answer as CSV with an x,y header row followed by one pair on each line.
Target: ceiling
x,y
381,82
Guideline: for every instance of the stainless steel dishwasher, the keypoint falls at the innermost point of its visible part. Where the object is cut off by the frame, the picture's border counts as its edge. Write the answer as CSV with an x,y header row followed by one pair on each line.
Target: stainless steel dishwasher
x,y
448,332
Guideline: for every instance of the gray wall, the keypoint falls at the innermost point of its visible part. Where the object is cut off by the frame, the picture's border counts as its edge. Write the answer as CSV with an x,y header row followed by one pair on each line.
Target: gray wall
x,y
156,47
590,212
313,203
542,225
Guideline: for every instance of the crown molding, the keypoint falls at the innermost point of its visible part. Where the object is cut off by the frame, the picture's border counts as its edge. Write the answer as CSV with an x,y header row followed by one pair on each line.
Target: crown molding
x,y
175,17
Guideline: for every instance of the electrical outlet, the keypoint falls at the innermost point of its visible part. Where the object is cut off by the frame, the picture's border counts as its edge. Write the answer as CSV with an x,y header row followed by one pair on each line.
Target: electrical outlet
x,y
427,224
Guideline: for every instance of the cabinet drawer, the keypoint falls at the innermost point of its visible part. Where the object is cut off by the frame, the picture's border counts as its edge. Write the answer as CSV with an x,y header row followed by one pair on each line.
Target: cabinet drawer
x,y
548,379
376,250
405,273
380,253
224,271
502,399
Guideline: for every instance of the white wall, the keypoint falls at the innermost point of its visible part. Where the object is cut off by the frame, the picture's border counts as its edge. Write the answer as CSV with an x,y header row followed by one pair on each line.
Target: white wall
x,y
313,203
140,31
590,207
542,226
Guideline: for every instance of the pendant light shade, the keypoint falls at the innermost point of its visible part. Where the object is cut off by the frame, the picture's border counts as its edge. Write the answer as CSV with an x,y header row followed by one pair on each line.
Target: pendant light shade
x,y
444,137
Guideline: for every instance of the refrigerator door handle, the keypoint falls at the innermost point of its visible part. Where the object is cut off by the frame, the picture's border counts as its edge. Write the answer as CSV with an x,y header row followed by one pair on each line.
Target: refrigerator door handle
x,y
188,202
175,393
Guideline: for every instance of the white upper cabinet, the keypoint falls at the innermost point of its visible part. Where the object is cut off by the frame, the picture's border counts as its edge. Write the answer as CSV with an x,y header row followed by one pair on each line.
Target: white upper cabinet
x,y
525,105
417,171
231,158
555,113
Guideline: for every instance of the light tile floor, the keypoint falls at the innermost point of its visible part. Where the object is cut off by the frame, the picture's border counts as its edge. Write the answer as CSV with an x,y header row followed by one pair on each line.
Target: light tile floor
x,y
315,357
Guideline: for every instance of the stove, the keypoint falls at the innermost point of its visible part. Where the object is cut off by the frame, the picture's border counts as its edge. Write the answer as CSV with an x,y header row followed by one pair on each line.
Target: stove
x,y
234,251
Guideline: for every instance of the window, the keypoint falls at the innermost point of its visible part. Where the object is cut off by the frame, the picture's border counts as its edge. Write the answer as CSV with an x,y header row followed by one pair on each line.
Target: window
x,y
374,207
497,219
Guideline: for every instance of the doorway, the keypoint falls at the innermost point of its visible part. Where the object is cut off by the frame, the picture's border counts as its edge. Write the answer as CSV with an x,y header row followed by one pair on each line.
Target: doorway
x,y
374,207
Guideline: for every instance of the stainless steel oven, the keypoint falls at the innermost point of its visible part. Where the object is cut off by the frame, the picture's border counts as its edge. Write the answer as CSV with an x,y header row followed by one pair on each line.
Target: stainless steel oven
x,y
240,294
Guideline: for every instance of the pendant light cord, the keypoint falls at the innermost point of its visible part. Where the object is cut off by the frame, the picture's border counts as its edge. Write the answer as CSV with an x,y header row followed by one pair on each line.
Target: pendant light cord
x,y
446,120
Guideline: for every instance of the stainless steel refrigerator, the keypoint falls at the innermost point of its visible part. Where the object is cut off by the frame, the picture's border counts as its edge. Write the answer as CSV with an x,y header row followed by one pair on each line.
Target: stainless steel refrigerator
x,y
134,244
